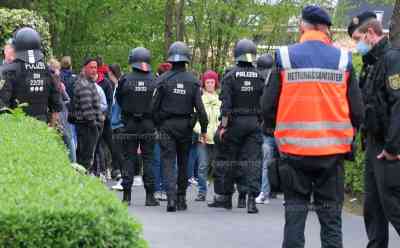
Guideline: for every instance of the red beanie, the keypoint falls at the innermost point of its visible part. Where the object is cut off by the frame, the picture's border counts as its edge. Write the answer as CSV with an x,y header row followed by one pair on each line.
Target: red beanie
x,y
210,75
164,67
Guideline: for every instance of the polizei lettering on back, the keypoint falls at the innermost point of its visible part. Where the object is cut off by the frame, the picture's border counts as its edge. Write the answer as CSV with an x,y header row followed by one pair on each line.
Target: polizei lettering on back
x,y
314,75
246,74
37,66
180,89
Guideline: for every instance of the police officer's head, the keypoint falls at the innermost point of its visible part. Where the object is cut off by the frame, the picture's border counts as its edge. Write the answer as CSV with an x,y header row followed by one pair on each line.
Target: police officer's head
x,y
315,18
27,43
265,61
366,30
178,53
139,59
245,51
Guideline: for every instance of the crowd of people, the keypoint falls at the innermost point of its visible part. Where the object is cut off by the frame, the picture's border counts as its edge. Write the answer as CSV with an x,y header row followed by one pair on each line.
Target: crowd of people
x,y
286,123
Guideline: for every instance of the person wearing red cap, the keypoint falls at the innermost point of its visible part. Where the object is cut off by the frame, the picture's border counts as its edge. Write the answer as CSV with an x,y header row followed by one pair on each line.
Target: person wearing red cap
x,y
205,147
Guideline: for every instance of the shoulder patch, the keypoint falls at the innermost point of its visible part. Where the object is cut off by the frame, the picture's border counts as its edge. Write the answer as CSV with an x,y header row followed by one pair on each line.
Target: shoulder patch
x,y
394,82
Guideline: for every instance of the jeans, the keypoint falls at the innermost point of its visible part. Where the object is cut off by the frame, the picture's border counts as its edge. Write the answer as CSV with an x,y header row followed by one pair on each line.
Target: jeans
x,y
193,162
160,180
205,153
270,152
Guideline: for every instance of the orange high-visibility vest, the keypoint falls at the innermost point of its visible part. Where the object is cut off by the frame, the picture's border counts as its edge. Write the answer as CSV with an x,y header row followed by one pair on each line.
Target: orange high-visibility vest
x,y
313,116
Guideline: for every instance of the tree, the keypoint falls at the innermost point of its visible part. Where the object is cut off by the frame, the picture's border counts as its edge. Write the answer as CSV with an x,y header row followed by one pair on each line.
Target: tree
x,y
395,25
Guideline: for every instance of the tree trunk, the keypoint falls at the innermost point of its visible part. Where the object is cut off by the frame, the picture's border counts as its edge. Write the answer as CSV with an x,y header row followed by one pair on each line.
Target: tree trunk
x,y
180,20
169,23
395,25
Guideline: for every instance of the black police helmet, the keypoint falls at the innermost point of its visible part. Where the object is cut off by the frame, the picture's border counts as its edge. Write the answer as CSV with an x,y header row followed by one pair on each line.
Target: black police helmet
x,y
265,61
245,51
140,58
178,52
27,43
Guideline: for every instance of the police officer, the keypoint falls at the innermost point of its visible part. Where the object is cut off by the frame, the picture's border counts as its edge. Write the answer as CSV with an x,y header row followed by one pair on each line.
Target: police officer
x,y
239,152
134,94
28,80
381,95
313,102
264,64
176,97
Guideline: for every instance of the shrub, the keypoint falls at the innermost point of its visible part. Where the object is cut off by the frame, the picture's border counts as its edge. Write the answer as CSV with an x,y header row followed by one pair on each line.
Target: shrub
x,y
45,203
12,19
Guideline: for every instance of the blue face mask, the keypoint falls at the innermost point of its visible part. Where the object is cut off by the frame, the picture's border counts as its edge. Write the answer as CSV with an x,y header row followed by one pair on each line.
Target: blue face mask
x,y
363,48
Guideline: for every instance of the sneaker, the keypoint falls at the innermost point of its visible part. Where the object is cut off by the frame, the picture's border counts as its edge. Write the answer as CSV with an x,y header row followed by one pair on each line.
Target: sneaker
x,y
163,196
103,178
138,181
118,186
266,201
200,197
260,198
158,195
193,181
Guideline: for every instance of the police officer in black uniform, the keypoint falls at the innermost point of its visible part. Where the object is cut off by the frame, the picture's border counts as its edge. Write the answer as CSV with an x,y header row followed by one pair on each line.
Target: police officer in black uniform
x,y
264,65
381,95
28,80
134,94
176,97
239,153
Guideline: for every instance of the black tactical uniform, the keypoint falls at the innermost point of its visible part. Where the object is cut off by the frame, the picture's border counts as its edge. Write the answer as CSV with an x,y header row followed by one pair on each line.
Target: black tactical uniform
x,y
134,94
177,94
381,94
239,153
28,80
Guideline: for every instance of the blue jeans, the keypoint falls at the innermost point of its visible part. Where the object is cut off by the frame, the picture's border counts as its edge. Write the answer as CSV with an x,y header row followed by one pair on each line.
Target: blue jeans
x,y
160,181
270,151
193,162
71,141
204,161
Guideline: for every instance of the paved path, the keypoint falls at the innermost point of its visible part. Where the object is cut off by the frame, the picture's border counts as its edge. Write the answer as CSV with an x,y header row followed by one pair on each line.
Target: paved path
x,y
202,227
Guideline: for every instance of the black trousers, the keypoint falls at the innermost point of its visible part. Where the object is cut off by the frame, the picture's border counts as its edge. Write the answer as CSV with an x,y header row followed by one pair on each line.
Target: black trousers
x,y
138,132
116,151
87,136
382,195
175,141
324,178
238,158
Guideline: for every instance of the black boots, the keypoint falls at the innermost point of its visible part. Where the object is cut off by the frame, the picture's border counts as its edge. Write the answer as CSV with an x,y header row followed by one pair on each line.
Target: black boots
x,y
181,203
242,200
221,202
251,205
171,204
127,196
151,201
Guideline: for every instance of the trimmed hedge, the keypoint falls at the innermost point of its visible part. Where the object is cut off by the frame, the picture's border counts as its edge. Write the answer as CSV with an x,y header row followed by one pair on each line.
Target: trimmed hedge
x,y
12,19
46,203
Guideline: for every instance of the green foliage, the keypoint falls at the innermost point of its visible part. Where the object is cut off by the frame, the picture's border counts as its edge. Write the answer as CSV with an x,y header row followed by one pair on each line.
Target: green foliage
x,y
12,19
107,28
44,202
354,173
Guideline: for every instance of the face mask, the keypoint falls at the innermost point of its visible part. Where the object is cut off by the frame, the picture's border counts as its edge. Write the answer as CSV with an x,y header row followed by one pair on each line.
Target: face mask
x,y
363,48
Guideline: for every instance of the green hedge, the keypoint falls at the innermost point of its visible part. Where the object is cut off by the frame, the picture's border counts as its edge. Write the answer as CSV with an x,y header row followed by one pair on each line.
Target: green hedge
x,y
45,203
354,180
12,19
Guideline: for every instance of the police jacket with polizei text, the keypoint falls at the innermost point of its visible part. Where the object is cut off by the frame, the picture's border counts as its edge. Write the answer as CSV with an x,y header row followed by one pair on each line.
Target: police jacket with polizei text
x,y
242,89
381,94
30,83
177,95
135,92
272,92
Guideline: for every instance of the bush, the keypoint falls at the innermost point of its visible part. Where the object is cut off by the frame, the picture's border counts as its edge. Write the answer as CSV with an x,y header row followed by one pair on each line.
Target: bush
x,y
45,203
12,19
354,180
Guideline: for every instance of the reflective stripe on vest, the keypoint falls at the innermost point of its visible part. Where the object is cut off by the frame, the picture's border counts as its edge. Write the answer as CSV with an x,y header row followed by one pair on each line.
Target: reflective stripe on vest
x,y
313,114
